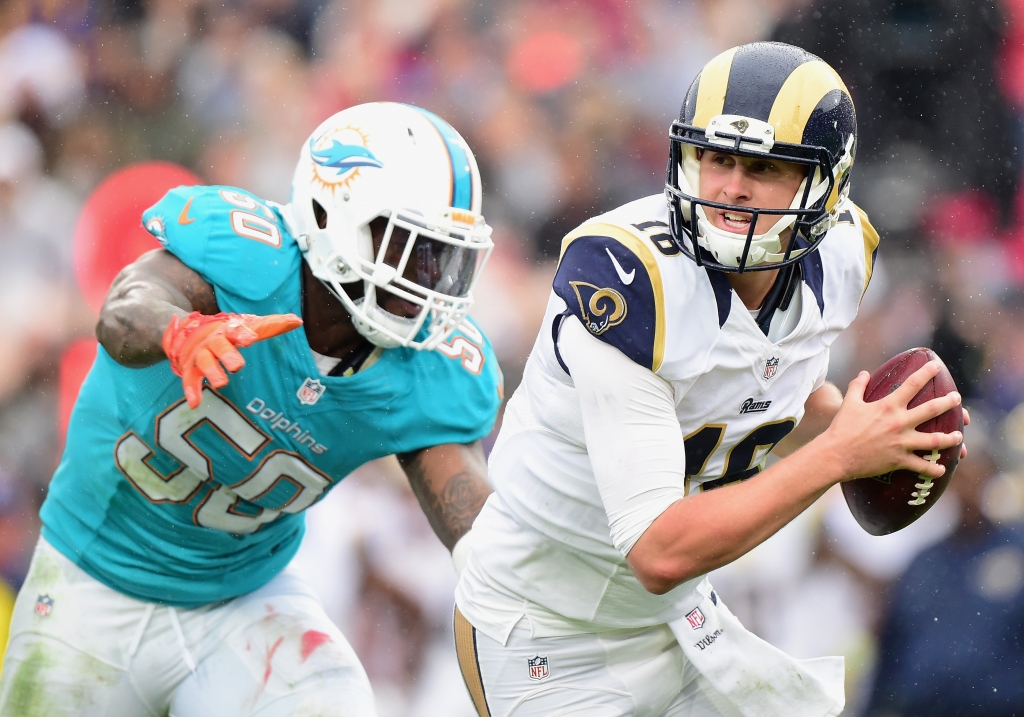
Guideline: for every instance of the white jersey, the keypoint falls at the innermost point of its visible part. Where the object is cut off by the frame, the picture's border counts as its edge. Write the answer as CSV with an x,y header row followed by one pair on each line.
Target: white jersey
x,y
543,547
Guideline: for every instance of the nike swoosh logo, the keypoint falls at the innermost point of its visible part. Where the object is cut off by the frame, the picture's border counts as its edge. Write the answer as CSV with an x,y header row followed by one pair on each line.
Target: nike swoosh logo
x,y
625,278
184,218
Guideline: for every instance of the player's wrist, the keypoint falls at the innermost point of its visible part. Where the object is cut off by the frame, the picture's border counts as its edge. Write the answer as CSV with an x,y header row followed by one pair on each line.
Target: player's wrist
x,y
823,460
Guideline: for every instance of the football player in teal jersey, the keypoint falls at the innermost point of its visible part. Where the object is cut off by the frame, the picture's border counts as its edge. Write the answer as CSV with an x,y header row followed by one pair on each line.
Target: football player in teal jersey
x,y
159,586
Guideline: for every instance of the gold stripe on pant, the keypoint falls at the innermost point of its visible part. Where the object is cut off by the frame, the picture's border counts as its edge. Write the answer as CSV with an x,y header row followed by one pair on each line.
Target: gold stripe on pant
x,y
465,648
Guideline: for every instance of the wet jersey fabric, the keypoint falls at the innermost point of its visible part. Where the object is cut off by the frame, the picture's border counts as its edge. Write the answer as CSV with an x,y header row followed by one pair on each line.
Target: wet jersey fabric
x,y
188,507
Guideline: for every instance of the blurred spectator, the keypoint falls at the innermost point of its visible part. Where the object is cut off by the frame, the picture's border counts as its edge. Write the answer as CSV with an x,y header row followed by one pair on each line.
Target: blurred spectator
x,y
923,78
973,274
567,105
40,74
953,641
37,308
19,524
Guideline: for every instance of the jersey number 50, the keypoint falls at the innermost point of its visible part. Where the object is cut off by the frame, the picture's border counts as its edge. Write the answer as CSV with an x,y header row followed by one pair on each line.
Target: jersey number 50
x,y
250,225
224,507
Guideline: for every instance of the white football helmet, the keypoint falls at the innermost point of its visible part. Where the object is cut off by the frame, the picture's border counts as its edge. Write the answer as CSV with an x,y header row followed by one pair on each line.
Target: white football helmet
x,y
411,168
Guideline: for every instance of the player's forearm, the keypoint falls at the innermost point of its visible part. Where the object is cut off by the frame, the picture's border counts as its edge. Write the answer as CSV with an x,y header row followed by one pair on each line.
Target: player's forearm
x,y
141,302
819,410
708,530
703,532
450,482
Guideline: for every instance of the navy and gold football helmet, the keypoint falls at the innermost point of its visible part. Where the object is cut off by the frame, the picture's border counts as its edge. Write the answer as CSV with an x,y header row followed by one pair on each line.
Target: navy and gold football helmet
x,y
773,101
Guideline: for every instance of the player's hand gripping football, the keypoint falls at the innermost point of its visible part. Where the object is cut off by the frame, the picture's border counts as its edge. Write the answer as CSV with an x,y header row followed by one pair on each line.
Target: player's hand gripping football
x,y
198,344
881,436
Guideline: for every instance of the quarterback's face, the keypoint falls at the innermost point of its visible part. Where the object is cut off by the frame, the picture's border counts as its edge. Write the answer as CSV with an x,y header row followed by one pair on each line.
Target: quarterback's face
x,y
747,182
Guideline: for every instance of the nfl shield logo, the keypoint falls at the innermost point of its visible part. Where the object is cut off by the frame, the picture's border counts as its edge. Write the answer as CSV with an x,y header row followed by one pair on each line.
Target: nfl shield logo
x,y
310,391
695,618
44,603
770,367
538,667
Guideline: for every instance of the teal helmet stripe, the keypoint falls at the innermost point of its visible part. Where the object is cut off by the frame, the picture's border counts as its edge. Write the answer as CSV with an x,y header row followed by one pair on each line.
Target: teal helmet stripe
x,y
462,177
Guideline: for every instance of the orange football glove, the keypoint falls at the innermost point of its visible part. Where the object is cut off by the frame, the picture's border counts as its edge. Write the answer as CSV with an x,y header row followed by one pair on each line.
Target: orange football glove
x,y
195,344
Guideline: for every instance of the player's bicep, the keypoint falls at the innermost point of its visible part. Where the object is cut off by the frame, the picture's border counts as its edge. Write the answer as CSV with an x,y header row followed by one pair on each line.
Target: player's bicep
x,y
141,302
632,432
160,275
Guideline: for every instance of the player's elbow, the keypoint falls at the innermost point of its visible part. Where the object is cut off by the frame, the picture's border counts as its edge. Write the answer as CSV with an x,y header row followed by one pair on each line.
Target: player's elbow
x,y
125,341
659,574
111,333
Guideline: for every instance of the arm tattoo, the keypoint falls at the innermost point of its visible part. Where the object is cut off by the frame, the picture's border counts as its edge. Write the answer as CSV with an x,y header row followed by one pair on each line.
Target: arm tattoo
x,y
450,502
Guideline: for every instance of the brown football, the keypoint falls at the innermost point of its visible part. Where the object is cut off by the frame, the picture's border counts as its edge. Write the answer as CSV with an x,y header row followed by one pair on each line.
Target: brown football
x,y
891,502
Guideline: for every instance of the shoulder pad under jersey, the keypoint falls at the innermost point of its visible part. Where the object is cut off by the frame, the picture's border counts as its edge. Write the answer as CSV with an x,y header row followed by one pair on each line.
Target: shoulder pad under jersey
x,y
610,279
462,374
843,265
870,238
233,239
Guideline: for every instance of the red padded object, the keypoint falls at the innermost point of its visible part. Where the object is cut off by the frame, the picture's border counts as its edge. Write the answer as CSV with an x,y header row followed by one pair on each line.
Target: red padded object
x,y
885,504
75,364
109,235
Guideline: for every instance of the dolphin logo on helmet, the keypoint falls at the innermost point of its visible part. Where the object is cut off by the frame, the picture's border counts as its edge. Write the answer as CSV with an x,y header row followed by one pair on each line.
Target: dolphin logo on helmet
x,y
410,229
343,157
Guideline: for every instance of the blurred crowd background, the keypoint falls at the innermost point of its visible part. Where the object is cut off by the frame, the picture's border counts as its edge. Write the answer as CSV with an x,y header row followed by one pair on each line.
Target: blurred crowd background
x,y
567,104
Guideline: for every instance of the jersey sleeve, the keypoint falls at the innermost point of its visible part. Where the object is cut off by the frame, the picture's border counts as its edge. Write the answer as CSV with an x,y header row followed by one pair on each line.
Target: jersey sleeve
x,y
457,392
234,240
871,240
633,437
611,282
487,381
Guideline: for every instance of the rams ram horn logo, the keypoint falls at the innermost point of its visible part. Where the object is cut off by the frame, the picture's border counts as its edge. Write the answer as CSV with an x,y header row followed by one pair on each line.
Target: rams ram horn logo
x,y
741,125
600,308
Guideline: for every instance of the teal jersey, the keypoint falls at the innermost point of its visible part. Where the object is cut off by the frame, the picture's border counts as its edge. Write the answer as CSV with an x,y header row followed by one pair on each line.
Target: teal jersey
x,y
187,507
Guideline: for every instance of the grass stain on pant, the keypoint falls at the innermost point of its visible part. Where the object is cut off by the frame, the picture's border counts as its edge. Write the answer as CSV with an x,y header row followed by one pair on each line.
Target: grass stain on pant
x,y
29,694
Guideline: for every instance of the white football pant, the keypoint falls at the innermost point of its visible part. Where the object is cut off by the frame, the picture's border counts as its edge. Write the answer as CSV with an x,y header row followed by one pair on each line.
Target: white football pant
x,y
622,673
78,647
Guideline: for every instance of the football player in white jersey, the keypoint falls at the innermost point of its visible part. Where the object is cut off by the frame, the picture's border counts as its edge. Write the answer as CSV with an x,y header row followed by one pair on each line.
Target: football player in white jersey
x,y
684,341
